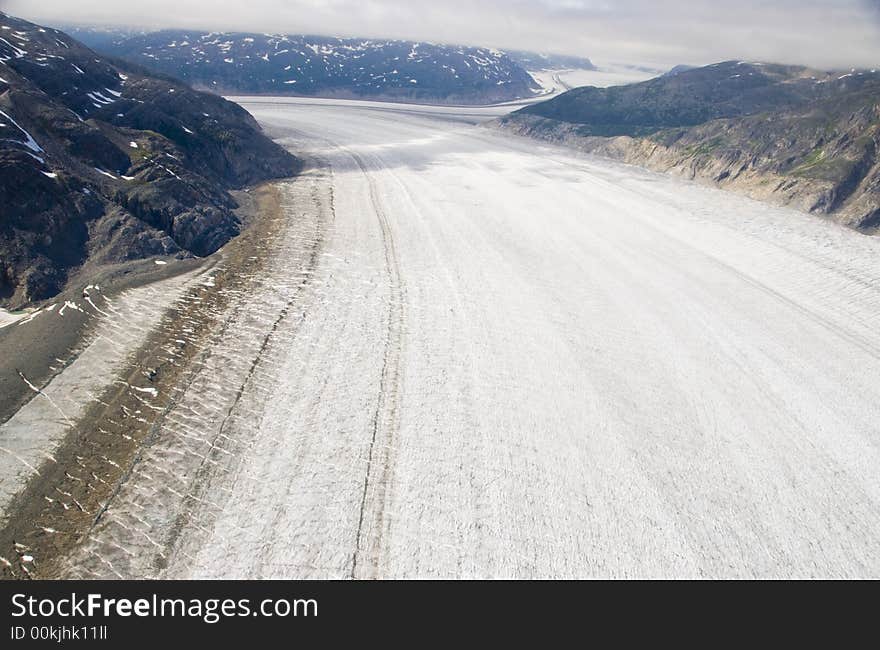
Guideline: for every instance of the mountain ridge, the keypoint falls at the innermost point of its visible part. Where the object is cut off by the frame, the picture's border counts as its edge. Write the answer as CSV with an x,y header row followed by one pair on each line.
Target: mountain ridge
x,y
321,66
787,134
103,163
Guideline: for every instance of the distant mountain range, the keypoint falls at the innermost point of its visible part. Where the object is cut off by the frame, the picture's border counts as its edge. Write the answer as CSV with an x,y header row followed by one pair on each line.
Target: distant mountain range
x,y
536,61
279,64
793,135
102,162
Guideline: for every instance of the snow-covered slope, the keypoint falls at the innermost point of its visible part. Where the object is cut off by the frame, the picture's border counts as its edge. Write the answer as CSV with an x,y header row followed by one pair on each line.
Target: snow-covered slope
x,y
324,66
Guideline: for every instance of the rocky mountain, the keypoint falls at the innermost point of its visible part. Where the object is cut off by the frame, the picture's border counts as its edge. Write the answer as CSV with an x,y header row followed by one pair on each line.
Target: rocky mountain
x,y
102,162
788,134
280,64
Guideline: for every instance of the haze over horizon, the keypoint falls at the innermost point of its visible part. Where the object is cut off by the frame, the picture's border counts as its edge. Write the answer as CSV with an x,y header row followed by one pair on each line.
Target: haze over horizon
x,y
823,34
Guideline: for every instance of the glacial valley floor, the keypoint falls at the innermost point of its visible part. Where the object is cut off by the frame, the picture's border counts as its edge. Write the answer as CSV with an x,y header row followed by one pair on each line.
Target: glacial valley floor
x,y
463,354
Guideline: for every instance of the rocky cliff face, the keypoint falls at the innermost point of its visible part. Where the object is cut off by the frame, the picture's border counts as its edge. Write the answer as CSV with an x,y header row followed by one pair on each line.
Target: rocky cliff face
x,y
789,135
102,162
290,64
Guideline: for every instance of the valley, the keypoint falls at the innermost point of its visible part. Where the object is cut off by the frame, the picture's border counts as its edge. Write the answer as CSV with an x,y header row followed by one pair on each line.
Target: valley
x,y
454,352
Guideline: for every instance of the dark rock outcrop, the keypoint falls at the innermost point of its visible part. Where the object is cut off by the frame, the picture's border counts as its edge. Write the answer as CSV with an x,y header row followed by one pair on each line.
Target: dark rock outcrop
x,y
102,162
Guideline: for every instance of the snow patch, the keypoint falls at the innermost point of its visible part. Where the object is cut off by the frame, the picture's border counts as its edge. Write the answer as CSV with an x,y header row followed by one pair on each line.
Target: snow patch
x,y
69,304
30,143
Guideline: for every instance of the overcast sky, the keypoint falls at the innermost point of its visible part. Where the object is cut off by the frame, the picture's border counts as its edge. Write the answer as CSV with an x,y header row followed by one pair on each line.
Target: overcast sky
x,y
834,33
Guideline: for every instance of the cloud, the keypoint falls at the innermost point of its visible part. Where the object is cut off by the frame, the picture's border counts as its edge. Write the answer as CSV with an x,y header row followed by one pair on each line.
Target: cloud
x,y
829,34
